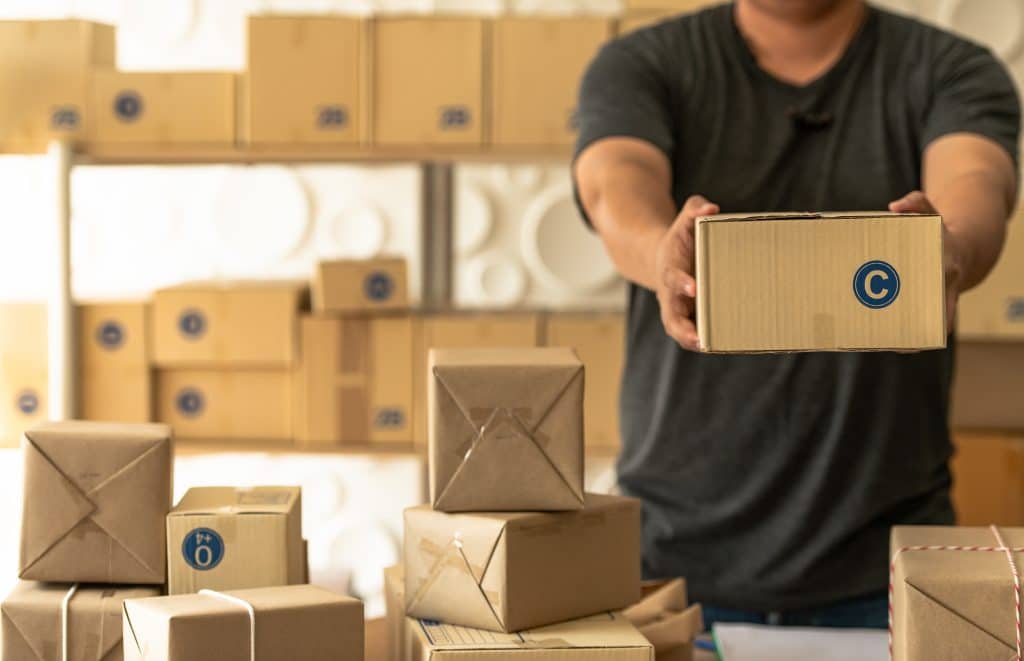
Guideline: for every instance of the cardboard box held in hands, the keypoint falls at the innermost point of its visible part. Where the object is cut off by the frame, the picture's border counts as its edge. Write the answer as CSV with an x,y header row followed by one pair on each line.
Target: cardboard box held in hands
x,y
951,602
519,570
820,282
222,538
290,623
34,612
96,495
606,636
506,429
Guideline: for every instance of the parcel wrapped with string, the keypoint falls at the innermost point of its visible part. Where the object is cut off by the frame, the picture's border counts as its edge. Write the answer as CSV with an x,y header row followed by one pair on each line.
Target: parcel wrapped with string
x,y
506,430
519,570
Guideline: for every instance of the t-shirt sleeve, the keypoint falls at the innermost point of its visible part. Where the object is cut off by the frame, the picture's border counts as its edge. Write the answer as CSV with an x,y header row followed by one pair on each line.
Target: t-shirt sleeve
x,y
624,94
973,93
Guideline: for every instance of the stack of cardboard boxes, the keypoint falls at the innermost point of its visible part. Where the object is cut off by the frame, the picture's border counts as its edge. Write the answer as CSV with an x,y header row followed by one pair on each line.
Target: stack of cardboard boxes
x,y
511,542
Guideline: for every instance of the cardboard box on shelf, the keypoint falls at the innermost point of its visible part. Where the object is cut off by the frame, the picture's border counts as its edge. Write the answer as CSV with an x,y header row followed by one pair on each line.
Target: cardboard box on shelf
x,y
506,429
428,81
519,570
995,309
95,498
307,81
289,622
114,377
47,66
354,381
244,324
950,604
988,479
239,404
820,282
464,331
600,342
33,617
227,538
164,108
367,285
608,636
535,70
988,385
23,369
666,618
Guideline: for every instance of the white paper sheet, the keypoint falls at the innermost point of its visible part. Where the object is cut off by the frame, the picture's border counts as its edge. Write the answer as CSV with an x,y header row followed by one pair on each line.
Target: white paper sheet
x,y
742,642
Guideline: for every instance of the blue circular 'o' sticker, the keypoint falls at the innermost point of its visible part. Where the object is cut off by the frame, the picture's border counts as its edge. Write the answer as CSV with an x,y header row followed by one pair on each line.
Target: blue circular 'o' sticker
x,y
27,402
379,286
203,549
128,105
110,335
192,324
876,284
190,402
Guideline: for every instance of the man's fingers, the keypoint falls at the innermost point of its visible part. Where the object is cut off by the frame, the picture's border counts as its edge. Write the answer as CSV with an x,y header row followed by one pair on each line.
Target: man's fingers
x,y
913,202
679,282
675,317
697,205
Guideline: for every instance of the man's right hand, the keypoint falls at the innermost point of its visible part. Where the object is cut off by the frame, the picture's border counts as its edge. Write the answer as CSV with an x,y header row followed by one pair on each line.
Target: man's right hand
x,y
676,287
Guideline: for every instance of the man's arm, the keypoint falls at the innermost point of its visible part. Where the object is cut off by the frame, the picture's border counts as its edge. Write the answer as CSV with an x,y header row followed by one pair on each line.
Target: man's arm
x,y
972,182
625,187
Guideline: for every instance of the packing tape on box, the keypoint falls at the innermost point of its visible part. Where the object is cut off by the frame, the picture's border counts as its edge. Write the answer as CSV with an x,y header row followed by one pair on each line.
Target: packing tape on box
x,y
248,609
450,556
1000,547
65,616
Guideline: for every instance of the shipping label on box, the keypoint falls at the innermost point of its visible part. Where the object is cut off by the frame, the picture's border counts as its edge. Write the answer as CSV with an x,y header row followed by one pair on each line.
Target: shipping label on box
x,y
164,108
246,405
536,67
599,341
465,331
288,623
307,81
115,382
23,370
428,81
223,538
951,602
95,498
518,570
47,67
227,325
820,282
506,429
361,285
354,382
33,620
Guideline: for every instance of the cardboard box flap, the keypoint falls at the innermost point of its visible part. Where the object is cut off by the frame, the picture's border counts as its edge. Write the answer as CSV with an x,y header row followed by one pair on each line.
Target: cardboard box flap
x,y
76,482
809,215
973,586
447,562
231,500
665,617
933,621
34,611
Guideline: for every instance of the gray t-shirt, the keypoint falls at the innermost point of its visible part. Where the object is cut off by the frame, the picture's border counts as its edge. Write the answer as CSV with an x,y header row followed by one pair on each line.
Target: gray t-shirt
x,y
771,481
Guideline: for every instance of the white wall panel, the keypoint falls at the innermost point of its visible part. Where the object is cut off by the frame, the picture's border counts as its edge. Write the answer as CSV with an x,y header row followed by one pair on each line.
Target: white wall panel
x,y
352,508
519,241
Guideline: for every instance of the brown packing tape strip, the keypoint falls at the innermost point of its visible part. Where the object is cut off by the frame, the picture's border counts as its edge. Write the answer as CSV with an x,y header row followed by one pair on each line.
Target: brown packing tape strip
x,y
449,556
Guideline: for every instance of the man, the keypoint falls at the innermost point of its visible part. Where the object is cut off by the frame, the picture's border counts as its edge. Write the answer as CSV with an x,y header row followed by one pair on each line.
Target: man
x,y
772,481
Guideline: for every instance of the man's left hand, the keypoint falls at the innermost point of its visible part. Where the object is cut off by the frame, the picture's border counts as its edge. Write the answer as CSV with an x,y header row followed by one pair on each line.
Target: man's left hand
x,y
918,202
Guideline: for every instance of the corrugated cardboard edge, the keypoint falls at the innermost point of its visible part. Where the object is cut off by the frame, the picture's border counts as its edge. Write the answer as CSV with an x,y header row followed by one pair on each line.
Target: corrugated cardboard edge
x,y
701,271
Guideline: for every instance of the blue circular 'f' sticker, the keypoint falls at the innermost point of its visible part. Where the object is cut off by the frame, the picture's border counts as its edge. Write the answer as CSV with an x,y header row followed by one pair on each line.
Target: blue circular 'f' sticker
x,y
27,402
378,286
110,335
203,549
192,324
190,402
128,106
876,284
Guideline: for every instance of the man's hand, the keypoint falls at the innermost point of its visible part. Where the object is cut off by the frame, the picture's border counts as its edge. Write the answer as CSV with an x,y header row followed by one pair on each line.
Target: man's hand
x,y
674,280
918,202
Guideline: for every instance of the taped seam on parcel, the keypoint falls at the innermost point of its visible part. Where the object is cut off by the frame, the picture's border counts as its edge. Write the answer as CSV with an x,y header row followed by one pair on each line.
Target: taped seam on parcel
x,y
445,557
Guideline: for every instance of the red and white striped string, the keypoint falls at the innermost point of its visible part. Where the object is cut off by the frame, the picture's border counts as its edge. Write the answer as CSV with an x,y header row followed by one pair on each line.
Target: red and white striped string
x,y
1001,548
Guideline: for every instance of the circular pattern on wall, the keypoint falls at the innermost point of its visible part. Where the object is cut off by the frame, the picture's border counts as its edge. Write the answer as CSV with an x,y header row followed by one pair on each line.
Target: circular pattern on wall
x,y
996,23
496,280
558,248
359,230
261,216
475,220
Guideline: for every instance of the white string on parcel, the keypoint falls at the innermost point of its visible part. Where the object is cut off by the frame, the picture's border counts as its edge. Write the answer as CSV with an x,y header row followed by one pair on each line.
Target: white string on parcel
x,y
65,606
248,608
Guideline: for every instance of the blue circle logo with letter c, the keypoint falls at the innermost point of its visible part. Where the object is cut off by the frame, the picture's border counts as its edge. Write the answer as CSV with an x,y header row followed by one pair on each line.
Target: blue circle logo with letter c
x,y
876,284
